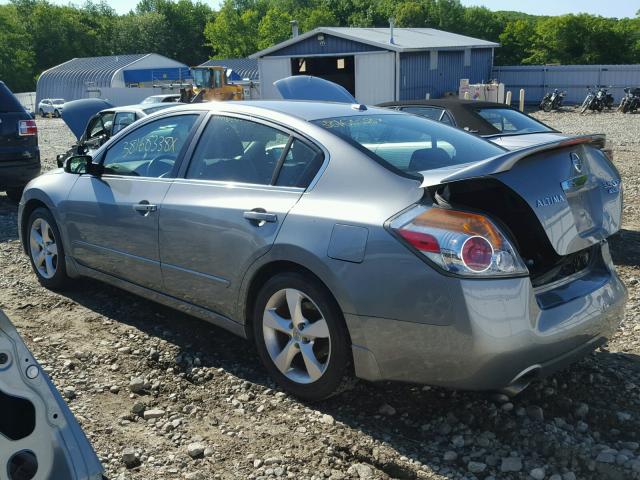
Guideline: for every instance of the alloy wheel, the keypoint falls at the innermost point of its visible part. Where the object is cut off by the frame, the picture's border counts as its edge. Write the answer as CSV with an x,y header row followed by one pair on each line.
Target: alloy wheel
x,y
296,335
44,249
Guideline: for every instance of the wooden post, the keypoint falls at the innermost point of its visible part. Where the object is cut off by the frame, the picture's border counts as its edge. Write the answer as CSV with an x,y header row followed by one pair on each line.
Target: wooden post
x,y
522,99
508,99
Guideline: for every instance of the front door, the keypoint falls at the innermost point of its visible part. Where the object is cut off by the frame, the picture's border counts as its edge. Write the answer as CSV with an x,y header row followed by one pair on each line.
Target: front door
x,y
242,180
112,220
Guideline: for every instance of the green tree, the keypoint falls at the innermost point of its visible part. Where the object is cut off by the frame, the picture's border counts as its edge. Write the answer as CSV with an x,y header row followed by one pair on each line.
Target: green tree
x,y
317,17
516,40
274,27
17,58
411,14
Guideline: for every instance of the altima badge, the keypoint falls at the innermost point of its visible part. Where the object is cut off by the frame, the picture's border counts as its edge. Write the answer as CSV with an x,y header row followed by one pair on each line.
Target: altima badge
x,y
550,200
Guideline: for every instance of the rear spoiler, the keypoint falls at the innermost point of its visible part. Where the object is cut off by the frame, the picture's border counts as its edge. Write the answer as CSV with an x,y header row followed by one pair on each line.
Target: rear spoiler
x,y
506,161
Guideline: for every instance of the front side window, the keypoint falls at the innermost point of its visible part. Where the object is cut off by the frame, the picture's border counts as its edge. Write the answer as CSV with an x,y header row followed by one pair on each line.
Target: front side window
x,y
217,79
508,121
237,150
151,150
410,143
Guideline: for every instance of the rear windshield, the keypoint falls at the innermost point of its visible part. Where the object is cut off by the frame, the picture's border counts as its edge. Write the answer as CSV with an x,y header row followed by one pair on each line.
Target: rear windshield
x,y
8,102
511,122
410,143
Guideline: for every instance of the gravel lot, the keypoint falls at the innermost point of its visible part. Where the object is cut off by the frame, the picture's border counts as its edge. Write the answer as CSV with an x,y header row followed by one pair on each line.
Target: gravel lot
x,y
162,395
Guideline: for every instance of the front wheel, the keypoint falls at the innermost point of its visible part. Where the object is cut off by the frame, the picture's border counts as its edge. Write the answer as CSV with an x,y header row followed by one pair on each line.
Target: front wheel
x,y
45,250
547,106
56,114
301,336
41,112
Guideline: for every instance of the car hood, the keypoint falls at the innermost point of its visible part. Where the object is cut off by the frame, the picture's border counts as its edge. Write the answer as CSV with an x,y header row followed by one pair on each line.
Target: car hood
x,y
306,87
570,185
77,113
35,420
516,142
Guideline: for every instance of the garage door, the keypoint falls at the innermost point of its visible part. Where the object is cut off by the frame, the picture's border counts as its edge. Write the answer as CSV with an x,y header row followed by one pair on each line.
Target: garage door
x,y
375,77
272,69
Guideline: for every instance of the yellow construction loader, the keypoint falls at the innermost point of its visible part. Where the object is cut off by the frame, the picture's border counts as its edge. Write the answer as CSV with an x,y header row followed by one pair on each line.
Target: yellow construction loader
x,y
210,84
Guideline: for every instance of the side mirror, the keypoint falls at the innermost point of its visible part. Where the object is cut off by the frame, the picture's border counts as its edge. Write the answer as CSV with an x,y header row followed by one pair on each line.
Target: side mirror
x,y
78,164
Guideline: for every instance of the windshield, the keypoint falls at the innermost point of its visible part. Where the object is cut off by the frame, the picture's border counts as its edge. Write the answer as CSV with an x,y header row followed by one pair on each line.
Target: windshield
x,y
57,101
410,143
511,122
152,99
157,108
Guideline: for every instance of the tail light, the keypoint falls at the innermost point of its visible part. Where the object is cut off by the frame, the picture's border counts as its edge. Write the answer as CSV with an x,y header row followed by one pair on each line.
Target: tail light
x,y
27,128
463,243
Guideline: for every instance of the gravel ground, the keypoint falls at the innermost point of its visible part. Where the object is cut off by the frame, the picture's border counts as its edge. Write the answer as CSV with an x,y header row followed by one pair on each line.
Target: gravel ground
x,y
162,395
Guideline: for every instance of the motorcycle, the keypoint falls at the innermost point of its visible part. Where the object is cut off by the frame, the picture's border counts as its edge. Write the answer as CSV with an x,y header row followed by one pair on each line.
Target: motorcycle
x,y
631,100
597,99
552,101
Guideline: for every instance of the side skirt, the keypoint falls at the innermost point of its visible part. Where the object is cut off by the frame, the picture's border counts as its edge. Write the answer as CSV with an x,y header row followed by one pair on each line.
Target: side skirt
x,y
167,300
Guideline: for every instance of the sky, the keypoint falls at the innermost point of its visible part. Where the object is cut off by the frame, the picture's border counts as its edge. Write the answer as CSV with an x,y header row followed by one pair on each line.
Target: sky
x,y
609,8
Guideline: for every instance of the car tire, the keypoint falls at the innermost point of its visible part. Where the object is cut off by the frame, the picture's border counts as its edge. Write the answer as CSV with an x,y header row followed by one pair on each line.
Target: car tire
x,y
306,353
41,112
56,114
45,249
14,193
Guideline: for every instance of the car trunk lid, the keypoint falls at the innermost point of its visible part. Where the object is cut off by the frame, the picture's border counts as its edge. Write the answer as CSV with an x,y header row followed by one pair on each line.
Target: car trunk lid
x,y
570,185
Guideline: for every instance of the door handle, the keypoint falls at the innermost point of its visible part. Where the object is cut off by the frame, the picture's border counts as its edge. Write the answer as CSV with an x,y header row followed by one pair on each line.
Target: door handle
x,y
145,207
259,217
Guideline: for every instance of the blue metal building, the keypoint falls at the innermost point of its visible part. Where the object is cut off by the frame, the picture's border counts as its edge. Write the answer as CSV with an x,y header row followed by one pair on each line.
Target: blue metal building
x,y
79,77
379,64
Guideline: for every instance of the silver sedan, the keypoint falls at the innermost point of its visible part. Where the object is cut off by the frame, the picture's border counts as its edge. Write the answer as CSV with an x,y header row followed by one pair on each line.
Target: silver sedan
x,y
345,240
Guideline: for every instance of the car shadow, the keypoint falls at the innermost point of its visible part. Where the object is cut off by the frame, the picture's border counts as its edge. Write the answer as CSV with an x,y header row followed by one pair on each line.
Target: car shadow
x,y
8,219
625,248
421,423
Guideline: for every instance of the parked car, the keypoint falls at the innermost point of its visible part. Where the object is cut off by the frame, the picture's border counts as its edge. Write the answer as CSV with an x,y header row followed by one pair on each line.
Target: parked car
x,y
51,106
403,247
497,122
166,98
39,436
93,121
19,152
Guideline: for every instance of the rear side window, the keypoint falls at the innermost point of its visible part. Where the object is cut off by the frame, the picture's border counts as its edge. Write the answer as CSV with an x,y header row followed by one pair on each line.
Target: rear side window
x,y
510,121
8,101
237,150
300,165
409,143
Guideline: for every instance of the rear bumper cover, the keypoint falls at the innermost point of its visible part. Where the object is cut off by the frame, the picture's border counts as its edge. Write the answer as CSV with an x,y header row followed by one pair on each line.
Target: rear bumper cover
x,y
499,335
17,173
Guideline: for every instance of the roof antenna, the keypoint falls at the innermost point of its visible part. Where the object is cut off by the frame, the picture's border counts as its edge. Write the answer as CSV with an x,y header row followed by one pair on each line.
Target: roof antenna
x,y
294,28
392,22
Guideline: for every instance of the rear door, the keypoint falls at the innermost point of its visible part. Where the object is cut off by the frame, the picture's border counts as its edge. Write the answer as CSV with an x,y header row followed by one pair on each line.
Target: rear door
x,y
243,178
112,220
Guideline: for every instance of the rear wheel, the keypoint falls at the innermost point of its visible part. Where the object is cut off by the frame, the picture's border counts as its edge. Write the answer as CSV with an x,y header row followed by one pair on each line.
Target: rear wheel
x,y
301,336
45,250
